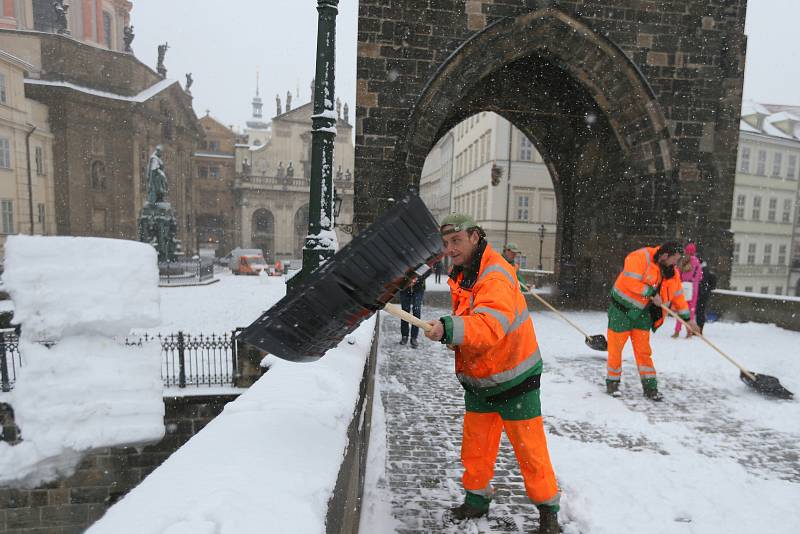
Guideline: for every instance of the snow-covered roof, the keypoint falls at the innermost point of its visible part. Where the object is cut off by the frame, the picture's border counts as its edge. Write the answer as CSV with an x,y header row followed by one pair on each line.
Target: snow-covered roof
x,y
212,155
779,123
143,96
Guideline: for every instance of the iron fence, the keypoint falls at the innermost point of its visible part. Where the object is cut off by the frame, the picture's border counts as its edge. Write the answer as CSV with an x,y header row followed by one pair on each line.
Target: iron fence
x,y
186,271
10,359
186,359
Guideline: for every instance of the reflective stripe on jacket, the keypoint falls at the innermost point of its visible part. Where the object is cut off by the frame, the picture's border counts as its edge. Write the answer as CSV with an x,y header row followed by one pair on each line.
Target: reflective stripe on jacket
x,y
496,346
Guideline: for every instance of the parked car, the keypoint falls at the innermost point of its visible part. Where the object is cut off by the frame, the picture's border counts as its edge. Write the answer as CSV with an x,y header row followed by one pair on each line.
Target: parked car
x,y
247,261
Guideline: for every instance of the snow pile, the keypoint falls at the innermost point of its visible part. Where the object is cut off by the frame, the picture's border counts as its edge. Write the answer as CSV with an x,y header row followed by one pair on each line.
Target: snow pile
x,y
268,463
86,391
81,285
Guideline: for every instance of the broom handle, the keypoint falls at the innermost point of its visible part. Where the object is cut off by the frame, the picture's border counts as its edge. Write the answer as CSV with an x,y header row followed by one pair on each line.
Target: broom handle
x,y
398,312
734,362
576,327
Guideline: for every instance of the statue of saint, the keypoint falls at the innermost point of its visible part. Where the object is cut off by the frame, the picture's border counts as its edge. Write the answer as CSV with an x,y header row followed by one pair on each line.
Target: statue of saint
x,y
290,171
281,172
61,23
346,113
128,37
338,109
162,51
288,101
156,178
339,174
278,105
189,82
348,176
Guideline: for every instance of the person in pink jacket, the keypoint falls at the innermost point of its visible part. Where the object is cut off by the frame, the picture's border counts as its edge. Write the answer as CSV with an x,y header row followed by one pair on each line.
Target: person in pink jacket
x,y
691,278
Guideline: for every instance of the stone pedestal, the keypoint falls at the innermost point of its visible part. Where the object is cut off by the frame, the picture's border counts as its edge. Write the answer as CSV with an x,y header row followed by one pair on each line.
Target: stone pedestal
x,y
159,227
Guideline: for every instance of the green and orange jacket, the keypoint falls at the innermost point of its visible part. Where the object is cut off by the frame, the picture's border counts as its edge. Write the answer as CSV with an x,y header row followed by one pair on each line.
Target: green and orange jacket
x,y
641,278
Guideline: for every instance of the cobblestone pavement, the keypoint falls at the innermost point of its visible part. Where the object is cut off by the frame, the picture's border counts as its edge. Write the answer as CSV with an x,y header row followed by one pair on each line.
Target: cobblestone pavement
x,y
424,409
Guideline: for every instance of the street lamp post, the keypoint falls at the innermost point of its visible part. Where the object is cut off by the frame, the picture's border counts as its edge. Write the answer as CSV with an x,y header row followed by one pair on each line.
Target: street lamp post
x,y
320,243
541,244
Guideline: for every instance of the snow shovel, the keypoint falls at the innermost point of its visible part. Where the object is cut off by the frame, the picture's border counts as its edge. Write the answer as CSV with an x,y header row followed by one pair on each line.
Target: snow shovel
x,y
769,386
331,302
597,342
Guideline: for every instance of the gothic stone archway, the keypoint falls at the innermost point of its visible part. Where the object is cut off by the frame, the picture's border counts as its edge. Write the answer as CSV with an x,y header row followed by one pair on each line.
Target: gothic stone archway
x,y
640,140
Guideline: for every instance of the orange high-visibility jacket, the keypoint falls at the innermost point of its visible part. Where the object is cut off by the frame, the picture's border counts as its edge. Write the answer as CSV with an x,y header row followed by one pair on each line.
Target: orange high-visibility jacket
x,y
639,279
496,347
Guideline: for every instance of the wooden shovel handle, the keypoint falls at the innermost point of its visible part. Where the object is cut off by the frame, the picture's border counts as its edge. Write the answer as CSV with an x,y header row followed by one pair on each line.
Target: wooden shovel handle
x,y
398,312
552,309
713,346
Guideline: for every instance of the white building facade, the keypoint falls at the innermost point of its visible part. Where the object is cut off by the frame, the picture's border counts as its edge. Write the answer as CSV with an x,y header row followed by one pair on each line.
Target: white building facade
x,y
764,214
457,177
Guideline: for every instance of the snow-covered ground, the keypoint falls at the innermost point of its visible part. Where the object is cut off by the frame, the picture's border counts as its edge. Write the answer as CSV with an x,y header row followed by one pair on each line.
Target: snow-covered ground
x,y
713,458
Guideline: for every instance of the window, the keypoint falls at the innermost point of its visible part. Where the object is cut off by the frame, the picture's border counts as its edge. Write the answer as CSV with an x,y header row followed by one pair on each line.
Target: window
x,y
744,161
751,254
523,201
781,254
41,217
107,28
737,249
475,155
787,210
38,160
777,163
213,146
202,172
773,208
213,172
734,288
470,150
779,290
740,202
5,153
98,176
7,216
768,254
748,289
764,290
525,149
488,145
761,166
3,95
791,167
756,208
99,220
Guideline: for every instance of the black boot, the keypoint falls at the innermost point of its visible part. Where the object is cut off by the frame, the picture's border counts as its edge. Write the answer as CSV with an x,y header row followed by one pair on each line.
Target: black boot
x,y
404,340
467,511
653,395
414,343
612,388
548,521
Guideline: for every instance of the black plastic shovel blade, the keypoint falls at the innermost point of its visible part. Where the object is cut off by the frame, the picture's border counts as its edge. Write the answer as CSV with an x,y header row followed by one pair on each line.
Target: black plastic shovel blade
x,y
597,342
768,386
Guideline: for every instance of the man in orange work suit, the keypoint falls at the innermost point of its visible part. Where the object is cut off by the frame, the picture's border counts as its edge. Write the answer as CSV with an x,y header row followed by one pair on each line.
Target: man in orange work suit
x,y
499,365
648,280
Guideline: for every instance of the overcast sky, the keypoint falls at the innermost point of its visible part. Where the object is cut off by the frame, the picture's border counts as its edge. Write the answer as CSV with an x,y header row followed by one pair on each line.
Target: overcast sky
x,y
224,42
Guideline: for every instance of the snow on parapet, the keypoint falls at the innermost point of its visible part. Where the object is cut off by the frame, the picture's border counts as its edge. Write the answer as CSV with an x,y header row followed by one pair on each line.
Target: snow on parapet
x,y
268,463
143,96
81,285
86,391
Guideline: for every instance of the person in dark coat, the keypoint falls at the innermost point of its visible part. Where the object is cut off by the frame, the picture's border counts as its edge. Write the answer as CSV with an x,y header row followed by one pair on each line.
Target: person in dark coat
x,y
438,267
411,301
707,284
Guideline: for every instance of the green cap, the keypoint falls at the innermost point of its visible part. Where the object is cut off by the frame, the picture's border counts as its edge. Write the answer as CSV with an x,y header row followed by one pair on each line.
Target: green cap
x,y
459,222
513,247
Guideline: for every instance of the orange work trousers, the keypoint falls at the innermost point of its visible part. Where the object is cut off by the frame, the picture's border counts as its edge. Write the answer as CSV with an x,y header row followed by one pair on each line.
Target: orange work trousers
x,y
479,452
641,350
